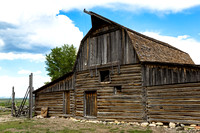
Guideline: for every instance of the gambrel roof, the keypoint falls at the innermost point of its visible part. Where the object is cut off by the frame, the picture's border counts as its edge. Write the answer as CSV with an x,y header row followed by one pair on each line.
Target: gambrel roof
x,y
148,49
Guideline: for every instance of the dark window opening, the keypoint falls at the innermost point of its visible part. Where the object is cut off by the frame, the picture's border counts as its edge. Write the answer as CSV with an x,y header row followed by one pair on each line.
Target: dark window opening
x,y
105,76
117,90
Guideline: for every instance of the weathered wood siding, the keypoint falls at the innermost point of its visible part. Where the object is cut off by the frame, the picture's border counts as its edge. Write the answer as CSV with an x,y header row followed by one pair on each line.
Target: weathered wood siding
x,y
52,100
106,45
129,105
174,103
63,85
169,74
53,97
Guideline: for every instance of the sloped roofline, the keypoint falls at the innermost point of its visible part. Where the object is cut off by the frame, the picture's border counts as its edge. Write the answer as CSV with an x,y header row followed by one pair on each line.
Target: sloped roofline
x,y
137,33
111,22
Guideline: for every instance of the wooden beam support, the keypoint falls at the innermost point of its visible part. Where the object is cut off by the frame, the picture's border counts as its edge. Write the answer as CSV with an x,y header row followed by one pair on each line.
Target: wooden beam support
x,y
31,95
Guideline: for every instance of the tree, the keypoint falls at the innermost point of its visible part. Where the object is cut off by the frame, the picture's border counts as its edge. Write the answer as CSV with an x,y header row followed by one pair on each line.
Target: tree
x,y
60,61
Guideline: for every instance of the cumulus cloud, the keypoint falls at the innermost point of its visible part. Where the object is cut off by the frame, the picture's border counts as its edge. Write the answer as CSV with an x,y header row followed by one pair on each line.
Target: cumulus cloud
x,y
26,72
163,6
183,42
0,68
20,84
23,56
34,23
54,31
44,31
1,43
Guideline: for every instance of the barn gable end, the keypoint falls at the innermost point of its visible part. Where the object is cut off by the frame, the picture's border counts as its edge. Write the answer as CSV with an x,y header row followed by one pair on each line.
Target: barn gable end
x,y
119,74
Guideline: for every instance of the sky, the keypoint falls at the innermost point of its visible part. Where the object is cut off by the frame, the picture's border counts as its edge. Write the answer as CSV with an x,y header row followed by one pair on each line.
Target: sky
x,y
29,29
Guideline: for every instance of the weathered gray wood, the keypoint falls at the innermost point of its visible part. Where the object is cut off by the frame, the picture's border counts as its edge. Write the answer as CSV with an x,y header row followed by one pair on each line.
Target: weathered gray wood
x,y
31,95
164,74
13,110
174,103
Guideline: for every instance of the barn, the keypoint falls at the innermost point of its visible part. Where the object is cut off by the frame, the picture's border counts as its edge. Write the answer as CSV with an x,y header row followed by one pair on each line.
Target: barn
x,y
123,75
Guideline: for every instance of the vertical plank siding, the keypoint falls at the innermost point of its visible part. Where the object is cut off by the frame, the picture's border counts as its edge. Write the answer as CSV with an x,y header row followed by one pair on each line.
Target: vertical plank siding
x,y
106,47
166,74
174,103
125,106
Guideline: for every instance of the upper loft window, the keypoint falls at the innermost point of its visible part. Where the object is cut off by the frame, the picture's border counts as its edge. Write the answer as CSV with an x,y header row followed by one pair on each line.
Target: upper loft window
x,y
105,76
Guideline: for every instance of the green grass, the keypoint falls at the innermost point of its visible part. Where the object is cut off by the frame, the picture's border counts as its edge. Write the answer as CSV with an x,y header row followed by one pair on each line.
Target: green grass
x,y
139,131
4,113
24,125
67,130
29,126
19,125
6,102
114,130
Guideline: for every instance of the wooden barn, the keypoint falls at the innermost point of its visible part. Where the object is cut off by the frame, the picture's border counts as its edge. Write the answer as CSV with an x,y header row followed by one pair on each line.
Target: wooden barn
x,y
120,74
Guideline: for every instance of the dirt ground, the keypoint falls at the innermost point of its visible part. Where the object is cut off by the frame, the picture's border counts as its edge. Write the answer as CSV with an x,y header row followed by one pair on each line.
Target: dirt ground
x,y
72,125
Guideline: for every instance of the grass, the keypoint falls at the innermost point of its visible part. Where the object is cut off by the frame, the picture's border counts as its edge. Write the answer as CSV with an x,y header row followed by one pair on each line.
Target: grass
x,y
45,126
6,102
4,113
140,131
48,125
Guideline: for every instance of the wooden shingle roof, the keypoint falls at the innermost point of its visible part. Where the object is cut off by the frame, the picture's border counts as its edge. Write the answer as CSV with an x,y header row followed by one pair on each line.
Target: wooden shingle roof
x,y
148,49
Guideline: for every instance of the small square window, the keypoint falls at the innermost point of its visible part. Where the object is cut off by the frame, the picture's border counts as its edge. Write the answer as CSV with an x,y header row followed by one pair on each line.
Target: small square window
x,y
117,90
105,76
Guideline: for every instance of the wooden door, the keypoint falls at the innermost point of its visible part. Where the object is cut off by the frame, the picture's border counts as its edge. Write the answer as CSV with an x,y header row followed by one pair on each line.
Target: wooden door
x,y
66,103
90,103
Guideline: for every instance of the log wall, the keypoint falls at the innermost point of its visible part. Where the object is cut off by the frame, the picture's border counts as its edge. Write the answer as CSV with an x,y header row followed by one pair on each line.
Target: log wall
x,y
53,97
174,103
54,102
127,105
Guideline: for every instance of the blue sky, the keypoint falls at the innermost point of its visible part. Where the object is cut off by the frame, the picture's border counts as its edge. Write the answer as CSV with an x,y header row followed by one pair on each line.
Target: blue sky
x,y
29,29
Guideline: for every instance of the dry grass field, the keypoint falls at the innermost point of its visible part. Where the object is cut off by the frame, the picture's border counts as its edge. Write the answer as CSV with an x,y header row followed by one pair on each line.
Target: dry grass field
x,y
9,124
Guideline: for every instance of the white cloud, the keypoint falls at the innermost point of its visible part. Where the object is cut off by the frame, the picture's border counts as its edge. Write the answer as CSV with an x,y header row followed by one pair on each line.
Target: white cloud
x,y
21,11
54,31
20,84
36,22
183,42
0,68
22,56
26,72
159,5
1,42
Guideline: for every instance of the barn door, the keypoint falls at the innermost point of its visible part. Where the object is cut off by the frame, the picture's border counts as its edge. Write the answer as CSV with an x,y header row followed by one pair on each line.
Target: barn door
x,y
66,103
91,103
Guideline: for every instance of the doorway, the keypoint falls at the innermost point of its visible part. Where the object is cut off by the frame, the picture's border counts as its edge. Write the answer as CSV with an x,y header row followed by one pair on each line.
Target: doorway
x,y
90,103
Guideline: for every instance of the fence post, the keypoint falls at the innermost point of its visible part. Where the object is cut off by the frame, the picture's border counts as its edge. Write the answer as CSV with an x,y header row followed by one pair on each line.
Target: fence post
x,y
30,95
13,101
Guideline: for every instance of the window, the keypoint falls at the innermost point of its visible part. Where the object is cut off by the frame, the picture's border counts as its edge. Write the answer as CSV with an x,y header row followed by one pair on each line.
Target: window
x,y
117,90
105,76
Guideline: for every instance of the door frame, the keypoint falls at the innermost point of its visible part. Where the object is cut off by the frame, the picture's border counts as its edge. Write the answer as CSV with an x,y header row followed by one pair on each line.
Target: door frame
x,y
85,103
66,102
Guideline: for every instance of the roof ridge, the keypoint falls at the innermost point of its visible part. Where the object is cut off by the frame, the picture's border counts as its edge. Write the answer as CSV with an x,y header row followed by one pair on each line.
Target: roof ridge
x,y
140,34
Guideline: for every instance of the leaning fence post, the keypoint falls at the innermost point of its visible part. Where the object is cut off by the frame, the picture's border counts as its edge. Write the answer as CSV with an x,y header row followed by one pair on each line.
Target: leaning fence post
x,y
13,101
30,95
